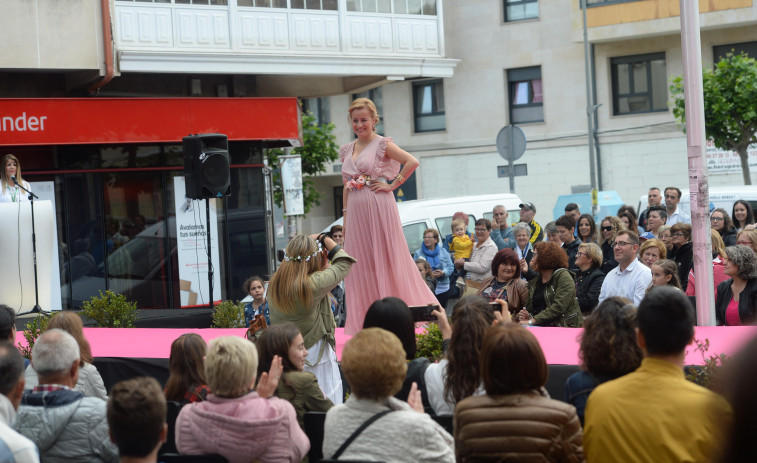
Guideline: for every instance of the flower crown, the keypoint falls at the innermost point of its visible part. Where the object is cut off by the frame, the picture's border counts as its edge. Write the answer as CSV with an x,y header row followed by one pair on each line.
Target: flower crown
x,y
301,258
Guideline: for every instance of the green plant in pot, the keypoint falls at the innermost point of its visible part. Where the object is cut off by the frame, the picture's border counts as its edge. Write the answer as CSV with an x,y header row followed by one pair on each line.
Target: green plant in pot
x,y
110,310
34,328
228,314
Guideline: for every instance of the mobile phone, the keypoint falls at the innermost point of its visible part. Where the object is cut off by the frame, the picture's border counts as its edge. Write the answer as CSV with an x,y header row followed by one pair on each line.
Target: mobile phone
x,y
495,307
422,313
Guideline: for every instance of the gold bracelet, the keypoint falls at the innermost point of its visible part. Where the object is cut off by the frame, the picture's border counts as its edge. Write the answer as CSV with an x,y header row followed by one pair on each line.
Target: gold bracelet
x,y
400,178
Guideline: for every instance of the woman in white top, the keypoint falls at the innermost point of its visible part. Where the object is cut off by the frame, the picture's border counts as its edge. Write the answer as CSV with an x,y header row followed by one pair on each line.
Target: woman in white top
x,y
90,382
9,191
457,375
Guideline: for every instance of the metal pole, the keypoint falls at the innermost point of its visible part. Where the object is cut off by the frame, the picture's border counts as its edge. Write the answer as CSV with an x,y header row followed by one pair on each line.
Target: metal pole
x,y
510,160
269,225
695,140
589,111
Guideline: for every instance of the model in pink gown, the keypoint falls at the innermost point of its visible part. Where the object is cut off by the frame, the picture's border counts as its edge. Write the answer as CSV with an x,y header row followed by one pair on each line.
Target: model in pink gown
x,y
373,236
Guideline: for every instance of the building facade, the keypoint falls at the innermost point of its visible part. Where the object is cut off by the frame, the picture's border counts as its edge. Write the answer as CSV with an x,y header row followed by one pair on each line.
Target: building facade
x,y
181,51
522,62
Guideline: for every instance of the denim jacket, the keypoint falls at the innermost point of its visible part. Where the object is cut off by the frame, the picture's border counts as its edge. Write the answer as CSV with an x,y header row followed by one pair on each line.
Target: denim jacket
x,y
249,313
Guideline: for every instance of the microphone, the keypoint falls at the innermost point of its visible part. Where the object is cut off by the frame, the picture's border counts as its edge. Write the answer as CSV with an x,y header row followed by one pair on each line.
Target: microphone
x,y
13,177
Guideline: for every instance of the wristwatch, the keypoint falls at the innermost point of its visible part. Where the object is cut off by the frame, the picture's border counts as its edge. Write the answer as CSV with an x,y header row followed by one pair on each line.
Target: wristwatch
x,y
531,322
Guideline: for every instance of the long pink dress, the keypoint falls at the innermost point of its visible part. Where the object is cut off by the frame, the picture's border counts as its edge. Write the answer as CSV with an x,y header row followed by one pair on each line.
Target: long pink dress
x,y
373,236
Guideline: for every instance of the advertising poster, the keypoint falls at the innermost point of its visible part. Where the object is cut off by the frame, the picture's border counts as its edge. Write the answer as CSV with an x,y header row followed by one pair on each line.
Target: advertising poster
x,y
720,161
291,183
192,248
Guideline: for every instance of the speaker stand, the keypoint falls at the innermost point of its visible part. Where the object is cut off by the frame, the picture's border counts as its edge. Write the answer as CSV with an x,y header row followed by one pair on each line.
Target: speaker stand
x,y
210,261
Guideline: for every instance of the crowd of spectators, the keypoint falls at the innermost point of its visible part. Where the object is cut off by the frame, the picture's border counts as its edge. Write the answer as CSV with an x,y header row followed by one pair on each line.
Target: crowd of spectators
x,y
484,400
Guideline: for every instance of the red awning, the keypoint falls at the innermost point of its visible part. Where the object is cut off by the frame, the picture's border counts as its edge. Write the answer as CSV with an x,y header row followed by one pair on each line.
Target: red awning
x,y
72,121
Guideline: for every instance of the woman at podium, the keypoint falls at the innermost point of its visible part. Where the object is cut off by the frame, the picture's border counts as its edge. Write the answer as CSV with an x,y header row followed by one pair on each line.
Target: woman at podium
x,y
9,190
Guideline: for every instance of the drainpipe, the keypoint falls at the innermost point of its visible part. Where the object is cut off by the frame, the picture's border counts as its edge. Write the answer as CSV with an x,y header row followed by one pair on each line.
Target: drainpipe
x,y
107,49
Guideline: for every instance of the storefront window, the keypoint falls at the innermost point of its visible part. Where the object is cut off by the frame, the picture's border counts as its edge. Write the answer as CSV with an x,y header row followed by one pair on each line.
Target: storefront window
x,y
139,240
130,156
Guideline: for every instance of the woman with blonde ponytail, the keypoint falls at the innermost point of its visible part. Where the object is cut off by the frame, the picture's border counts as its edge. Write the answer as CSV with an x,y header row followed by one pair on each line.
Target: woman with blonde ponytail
x,y
299,293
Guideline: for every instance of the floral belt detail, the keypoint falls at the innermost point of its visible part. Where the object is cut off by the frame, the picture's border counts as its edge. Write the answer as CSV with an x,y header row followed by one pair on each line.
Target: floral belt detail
x,y
358,182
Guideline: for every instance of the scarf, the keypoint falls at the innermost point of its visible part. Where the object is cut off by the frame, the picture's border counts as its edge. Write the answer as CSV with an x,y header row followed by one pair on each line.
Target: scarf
x,y
432,257
523,253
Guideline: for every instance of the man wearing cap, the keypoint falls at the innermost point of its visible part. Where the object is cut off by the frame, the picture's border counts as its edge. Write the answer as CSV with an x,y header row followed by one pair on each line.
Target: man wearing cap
x,y
646,236
527,211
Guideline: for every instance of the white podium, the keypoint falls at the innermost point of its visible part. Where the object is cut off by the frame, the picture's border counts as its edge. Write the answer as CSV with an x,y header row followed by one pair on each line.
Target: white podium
x,y
17,271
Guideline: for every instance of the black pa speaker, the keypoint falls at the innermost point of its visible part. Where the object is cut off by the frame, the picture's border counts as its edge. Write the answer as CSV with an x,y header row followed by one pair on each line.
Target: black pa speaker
x,y
206,166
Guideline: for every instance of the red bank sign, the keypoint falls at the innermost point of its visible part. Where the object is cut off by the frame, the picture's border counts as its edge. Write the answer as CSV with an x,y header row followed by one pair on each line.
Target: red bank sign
x,y
65,121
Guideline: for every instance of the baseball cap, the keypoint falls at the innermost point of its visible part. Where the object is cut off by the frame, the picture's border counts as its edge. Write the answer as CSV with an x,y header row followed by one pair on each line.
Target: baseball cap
x,y
529,206
646,236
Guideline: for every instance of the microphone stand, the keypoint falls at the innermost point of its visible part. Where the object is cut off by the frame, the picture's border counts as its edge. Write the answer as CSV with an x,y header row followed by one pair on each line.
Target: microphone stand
x,y
37,309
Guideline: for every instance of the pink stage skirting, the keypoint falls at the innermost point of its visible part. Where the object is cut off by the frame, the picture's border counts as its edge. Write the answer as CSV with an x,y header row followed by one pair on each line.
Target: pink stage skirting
x,y
560,345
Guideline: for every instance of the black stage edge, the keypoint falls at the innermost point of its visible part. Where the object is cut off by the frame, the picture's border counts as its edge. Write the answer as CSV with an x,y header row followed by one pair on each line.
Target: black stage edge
x,y
154,318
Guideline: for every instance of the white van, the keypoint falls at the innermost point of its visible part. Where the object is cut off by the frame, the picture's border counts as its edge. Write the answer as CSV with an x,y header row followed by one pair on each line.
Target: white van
x,y
420,214
720,196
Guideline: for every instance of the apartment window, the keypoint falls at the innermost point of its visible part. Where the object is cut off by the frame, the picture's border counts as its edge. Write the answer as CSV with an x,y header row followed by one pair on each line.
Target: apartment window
x,y
525,95
518,10
719,52
330,5
591,3
374,95
639,84
318,107
200,2
263,3
424,7
428,106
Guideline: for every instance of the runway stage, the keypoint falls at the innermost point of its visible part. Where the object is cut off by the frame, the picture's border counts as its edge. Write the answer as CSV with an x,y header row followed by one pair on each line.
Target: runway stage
x,y
122,353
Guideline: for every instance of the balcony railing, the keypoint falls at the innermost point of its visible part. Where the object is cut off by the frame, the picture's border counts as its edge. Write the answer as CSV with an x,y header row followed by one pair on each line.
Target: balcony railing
x,y
235,29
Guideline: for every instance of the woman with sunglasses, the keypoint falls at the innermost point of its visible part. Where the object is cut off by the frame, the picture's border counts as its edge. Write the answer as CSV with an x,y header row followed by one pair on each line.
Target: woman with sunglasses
x,y
721,221
609,229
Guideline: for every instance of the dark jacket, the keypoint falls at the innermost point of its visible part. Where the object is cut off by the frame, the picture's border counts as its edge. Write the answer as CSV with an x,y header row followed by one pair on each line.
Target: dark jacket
x,y
588,287
571,249
560,295
747,302
579,386
416,370
530,273
608,257
684,257
517,427
729,237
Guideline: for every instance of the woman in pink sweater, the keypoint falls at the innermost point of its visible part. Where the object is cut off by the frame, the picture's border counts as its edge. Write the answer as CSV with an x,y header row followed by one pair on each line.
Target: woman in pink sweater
x,y
241,425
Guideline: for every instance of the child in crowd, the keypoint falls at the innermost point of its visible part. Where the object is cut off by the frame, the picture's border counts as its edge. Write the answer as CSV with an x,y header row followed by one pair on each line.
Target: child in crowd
x,y
425,268
259,305
665,273
460,247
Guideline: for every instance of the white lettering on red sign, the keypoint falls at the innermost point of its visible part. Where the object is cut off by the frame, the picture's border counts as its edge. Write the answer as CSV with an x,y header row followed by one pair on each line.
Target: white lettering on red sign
x,y
22,123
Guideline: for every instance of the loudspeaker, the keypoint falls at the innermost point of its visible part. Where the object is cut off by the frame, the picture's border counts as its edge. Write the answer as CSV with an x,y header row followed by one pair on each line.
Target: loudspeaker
x,y
206,166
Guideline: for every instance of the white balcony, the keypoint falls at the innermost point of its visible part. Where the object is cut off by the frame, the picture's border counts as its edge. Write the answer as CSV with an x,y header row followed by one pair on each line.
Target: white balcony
x,y
168,37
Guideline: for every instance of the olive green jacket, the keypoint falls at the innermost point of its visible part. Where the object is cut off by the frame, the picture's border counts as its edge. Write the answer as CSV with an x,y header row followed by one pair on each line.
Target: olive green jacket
x,y
317,322
300,388
560,295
